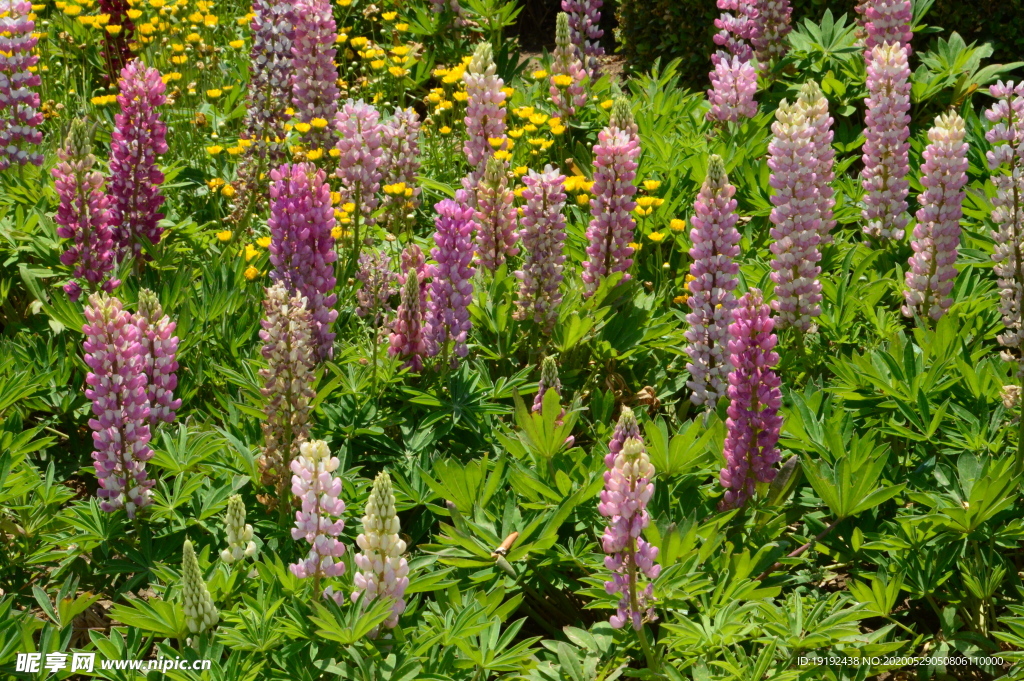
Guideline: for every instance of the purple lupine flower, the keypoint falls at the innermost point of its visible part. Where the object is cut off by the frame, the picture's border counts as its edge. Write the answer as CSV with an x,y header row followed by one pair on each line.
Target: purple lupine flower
x,y
886,21
117,387
485,114
567,73
383,570
496,217
822,156
611,229
401,163
1006,161
543,234
287,383
454,7
737,28
795,218
937,233
714,269
319,521
139,137
83,214
733,85
314,77
886,145
159,355
754,423
585,31
773,25
19,104
378,285
451,285
270,76
627,490
407,339
359,165
625,428
301,245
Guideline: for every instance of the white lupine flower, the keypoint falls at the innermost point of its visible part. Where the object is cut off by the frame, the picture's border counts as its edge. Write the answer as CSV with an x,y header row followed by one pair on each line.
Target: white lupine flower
x,y
200,612
240,543
383,571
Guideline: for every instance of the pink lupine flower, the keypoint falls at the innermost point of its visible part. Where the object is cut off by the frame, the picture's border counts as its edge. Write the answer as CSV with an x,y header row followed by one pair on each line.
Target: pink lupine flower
x,y
412,258
733,85
795,218
822,156
117,387
301,245
754,423
937,234
319,520
83,215
715,247
270,77
453,6
543,234
737,28
886,144
566,66
1006,161
451,285
485,114
407,340
496,217
383,570
314,77
401,163
611,230
19,103
627,490
886,21
359,165
378,285
139,137
773,25
585,31
159,355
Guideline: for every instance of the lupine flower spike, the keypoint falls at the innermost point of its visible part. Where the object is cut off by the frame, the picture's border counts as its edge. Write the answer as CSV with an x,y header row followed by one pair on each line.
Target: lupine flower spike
x,y
117,387
754,424
586,33
549,381
383,570
19,103
451,285
737,27
485,115
139,137
239,533
301,245
314,77
287,382
401,165
543,235
159,352
937,234
378,285
407,340
270,74
886,21
359,165
319,520
496,217
567,93
886,146
83,215
1006,161
773,25
200,612
733,85
715,249
821,156
611,229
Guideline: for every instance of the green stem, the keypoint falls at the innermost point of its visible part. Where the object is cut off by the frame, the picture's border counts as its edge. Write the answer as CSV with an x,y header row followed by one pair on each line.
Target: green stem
x,y
652,659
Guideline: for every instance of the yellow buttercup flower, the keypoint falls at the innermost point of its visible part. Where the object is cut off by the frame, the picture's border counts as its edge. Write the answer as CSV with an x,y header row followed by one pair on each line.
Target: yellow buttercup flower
x,y
607,104
677,225
397,71
251,273
538,118
237,44
314,154
113,29
562,80
263,242
336,232
389,16
250,251
679,300
444,130
214,93
652,185
519,171
303,128
583,199
557,129
401,27
649,201
656,237
503,155
228,191
635,246
541,73
214,150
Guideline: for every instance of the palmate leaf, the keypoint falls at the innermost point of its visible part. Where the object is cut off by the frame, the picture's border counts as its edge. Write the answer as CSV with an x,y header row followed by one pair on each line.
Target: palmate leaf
x,y
851,485
351,624
162,618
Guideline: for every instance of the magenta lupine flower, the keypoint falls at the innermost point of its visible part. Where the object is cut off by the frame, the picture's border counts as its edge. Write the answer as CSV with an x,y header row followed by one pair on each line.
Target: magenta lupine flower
x,y
886,145
139,137
159,358
754,423
485,114
270,76
314,77
585,31
412,258
319,521
117,387
496,217
822,156
19,103
611,230
451,285
378,285
1006,161
383,570
543,234
567,73
886,21
627,490
407,340
733,85
772,27
401,163
359,165
83,215
737,28
795,218
301,245
715,246
937,233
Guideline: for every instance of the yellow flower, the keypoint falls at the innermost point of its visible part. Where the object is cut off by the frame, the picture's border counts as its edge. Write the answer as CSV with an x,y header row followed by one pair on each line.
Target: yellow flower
x,y
336,232
214,93
523,111
215,183
358,42
251,273
507,91
641,211
250,251
519,171
530,127
583,199
235,151
303,128
72,10
679,300
348,207
656,237
539,74
677,225
263,242
444,130
134,13
210,20
635,246
518,191
224,236
515,133
237,44
401,27
214,150
562,80
179,59
396,189
113,29
502,155
389,16
460,96
397,71
538,118
557,129
228,191
334,152
344,3
496,142
648,201
652,185
607,104
314,154
319,123
193,38
400,50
